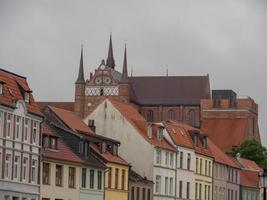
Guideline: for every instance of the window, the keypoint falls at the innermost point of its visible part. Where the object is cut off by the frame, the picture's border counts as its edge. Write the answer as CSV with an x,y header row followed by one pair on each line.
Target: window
x,y
166,158
209,192
92,178
149,116
27,97
196,191
8,166
34,133
200,165
132,193
71,177
99,180
166,185
1,123
144,194
59,169
26,129
123,179
196,165
34,166
1,88
171,186
158,185
137,193
171,115
200,192
209,168
18,126
171,159
206,167
192,117
195,139
53,143
158,156
9,125
235,195
188,190
116,178
83,177
181,159
205,192
46,173
148,194
25,169
180,189
16,167
160,133
188,161
109,177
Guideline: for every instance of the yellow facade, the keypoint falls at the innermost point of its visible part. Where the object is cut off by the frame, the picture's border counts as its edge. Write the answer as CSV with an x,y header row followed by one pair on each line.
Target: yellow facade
x,y
114,187
51,191
203,177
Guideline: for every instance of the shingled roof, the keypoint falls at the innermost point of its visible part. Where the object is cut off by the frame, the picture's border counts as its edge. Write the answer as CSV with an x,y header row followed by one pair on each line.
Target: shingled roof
x,y
169,90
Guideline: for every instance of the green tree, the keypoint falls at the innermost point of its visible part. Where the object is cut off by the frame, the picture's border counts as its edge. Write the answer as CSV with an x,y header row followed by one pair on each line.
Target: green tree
x,y
252,150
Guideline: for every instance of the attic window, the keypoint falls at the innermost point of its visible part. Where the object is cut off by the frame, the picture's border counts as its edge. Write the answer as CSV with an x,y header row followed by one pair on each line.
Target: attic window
x,y
149,131
195,139
27,97
204,141
103,147
1,88
115,150
160,133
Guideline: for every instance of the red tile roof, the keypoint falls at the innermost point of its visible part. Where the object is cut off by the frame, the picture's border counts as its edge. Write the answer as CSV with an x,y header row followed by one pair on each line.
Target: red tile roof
x,y
218,130
139,122
63,152
249,178
220,156
108,157
250,164
70,119
12,92
63,105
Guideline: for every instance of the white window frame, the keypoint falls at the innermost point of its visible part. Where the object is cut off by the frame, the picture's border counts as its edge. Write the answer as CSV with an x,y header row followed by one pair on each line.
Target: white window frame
x,y
158,184
34,167
171,159
16,167
26,129
1,88
158,156
166,185
9,125
1,123
7,166
171,185
18,127
167,158
35,132
25,168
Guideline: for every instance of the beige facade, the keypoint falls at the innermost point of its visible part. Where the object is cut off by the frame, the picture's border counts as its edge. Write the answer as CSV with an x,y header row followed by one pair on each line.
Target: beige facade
x,y
52,191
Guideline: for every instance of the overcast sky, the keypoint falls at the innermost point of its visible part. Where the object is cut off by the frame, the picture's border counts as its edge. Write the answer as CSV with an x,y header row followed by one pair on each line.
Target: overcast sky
x,y
225,38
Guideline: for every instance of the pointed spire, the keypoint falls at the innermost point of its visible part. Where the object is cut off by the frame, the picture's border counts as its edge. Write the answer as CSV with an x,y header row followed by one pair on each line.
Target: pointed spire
x,y
124,76
110,60
80,79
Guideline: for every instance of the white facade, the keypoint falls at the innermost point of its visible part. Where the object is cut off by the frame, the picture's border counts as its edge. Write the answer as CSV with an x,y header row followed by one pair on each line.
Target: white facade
x,y
185,170
19,153
141,154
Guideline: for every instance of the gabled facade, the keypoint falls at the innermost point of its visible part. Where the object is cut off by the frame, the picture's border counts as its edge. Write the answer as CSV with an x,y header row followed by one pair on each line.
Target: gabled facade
x,y
177,134
20,136
142,144
105,174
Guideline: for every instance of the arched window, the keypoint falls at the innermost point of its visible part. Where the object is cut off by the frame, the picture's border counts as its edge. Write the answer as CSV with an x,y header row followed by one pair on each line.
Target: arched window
x,y
192,117
171,115
149,116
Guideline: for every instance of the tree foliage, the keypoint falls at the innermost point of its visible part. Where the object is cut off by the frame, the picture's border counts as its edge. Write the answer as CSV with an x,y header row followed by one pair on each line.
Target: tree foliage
x,y
252,150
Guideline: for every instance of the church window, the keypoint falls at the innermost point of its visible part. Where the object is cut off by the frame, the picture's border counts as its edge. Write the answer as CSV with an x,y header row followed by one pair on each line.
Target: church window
x,y
149,116
101,92
192,117
171,115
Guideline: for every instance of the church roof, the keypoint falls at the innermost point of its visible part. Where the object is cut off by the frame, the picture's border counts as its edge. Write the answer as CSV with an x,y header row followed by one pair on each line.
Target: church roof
x,y
169,90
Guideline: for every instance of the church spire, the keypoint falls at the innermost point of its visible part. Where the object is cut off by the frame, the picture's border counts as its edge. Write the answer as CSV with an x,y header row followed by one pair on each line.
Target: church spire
x,y
124,76
80,79
110,59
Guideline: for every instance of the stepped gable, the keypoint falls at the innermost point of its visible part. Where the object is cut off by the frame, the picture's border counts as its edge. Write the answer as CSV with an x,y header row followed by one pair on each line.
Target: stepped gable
x,y
139,122
169,90
231,130
14,87
63,152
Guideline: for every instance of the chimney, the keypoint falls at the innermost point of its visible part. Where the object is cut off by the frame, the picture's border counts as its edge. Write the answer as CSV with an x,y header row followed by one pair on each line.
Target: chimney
x,y
91,124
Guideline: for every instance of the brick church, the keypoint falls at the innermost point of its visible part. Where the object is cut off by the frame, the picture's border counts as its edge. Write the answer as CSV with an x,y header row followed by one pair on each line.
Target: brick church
x,y
219,113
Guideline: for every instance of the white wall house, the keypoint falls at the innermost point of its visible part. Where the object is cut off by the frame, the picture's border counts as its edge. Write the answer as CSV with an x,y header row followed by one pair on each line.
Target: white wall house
x,y
177,135
142,144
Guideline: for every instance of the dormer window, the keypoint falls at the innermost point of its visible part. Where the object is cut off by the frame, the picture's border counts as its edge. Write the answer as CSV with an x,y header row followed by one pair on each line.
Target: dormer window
x,y
115,150
160,133
195,139
53,143
50,142
27,97
204,141
1,88
149,131
104,147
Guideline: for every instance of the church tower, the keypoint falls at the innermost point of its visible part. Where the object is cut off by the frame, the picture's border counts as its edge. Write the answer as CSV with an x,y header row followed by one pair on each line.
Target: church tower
x,y
80,89
124,88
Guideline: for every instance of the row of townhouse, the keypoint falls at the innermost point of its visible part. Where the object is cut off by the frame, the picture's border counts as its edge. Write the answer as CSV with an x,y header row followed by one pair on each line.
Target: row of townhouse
x,y
56,155
181,160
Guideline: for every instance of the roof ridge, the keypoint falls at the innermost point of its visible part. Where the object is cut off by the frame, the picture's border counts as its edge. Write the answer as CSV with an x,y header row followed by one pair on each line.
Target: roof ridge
x,y
12,73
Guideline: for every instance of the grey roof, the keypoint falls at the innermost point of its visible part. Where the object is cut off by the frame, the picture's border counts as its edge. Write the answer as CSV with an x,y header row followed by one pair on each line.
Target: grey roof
x,y
169,90
115,74
134,177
